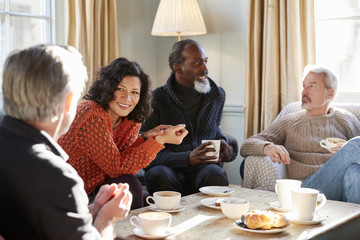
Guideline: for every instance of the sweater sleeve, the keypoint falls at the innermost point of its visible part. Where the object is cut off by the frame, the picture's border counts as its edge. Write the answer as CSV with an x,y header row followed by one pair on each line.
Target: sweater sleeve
x,y
349,122
275,133
171,159
166,157
95,138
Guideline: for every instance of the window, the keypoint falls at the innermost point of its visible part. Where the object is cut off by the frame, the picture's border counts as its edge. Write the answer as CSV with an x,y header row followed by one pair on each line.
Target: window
x,y
338,44
24,23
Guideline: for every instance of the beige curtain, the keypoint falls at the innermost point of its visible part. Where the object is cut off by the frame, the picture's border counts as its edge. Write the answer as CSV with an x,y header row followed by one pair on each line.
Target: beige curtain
x,y
93,31
280,42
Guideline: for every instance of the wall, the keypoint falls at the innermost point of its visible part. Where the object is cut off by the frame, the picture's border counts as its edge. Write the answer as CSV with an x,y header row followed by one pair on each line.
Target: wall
x,y
225,45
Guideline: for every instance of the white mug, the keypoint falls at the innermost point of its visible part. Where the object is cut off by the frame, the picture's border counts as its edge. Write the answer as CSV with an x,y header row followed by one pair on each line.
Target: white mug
x,y
283,188
152,223
305,201
331,142
234,208
165,199
216,144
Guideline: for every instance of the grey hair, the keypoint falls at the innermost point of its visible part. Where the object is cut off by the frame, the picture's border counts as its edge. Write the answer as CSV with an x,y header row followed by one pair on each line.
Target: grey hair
x,y
36,81
175,55
331,80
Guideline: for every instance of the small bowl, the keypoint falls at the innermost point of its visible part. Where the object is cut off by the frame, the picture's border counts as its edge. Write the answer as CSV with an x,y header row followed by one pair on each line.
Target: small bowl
x,y
234,208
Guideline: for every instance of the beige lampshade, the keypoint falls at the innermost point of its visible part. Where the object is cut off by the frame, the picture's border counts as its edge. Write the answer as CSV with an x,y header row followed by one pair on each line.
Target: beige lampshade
x,y
178,17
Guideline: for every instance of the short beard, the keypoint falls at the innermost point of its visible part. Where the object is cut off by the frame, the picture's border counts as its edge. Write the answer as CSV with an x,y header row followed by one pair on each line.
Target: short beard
x,y
305,105
202,87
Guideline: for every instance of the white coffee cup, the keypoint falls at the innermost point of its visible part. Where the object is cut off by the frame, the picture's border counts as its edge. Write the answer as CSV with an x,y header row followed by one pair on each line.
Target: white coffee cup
x,y
234,208
283,188
331,142
165,199
216,145
152,223
304,203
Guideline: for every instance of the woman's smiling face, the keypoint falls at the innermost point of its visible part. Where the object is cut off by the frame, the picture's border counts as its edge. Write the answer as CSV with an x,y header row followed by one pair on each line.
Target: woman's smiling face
x,y
126,97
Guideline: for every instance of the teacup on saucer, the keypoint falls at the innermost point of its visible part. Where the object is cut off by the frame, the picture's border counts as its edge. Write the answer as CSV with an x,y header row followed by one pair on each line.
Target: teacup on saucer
x,y
152,223
168,200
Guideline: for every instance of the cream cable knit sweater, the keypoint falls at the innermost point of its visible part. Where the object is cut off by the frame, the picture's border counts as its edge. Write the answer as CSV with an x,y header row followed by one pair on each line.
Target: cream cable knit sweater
x,y
300,135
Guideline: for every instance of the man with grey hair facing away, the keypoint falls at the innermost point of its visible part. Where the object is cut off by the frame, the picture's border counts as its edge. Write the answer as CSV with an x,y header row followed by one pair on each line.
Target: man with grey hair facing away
x,y
294,138
42,196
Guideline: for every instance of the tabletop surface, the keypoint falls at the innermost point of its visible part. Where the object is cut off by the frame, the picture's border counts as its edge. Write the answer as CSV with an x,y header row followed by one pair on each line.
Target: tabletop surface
x,y
197,221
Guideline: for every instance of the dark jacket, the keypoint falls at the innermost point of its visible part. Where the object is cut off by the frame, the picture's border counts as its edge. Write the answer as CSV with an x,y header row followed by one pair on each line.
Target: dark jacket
x,y
41,196
167,109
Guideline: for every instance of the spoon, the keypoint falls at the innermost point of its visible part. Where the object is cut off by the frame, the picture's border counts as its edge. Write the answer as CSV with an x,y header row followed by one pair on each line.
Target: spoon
x,y
241,222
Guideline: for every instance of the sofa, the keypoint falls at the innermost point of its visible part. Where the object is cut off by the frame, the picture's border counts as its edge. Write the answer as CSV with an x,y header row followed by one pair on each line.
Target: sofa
x,y
260,172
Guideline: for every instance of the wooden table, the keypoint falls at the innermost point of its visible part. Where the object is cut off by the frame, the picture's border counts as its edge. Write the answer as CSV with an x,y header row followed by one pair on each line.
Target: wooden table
x,y
342,220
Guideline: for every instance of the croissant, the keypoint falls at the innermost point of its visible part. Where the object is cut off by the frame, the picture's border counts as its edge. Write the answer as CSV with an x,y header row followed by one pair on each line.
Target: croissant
x,y
264,220
279,220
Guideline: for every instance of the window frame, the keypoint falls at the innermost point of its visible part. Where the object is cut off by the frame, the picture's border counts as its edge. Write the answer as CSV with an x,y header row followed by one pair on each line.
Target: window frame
x,y
50,30
342,96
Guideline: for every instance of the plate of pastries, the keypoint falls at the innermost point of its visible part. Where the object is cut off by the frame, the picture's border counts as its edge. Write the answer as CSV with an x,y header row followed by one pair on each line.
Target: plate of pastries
x,y
259,221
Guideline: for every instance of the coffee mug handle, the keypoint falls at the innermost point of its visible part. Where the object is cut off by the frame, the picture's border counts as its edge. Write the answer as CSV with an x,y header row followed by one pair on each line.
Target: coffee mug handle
x,y
148,198
323,143
134,220
323,201
276,188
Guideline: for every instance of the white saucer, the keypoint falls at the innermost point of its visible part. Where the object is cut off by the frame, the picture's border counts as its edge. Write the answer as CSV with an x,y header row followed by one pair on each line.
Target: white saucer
x,y
155,208
210,202
316,220
139,232
272,230
217,191
276,206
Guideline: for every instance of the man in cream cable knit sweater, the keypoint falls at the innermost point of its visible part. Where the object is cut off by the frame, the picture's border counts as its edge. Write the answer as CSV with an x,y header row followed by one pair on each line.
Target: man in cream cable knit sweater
x,y
294,139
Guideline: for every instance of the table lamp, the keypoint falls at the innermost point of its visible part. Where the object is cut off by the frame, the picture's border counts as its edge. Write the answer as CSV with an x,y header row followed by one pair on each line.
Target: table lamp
x,y
178,17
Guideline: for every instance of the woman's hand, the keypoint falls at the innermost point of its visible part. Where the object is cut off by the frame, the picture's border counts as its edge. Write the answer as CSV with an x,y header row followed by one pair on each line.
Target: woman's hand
x,y
159,130
172,135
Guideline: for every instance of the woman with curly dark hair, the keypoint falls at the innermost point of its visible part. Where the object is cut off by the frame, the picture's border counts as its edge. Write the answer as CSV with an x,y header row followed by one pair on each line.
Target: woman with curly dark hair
x,y
103,142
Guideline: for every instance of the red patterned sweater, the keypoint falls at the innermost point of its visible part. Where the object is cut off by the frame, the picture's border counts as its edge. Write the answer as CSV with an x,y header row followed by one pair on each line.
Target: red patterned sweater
x,y
98,152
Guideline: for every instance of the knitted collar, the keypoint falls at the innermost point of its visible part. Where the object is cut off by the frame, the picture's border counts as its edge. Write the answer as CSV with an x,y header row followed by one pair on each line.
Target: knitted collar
x,y
210,96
